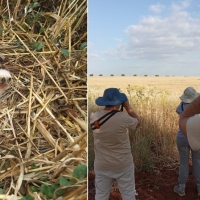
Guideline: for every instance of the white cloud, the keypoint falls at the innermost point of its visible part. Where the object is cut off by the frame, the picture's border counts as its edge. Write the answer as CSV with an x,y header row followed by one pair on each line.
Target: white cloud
x,y
94,56
157,8
160,38
183,5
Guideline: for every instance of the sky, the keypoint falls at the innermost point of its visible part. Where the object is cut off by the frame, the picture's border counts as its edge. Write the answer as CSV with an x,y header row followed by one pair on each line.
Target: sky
x,y
144,37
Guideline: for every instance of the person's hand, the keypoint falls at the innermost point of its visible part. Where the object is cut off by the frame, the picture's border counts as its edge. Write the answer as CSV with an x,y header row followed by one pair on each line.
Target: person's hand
x,y
130,111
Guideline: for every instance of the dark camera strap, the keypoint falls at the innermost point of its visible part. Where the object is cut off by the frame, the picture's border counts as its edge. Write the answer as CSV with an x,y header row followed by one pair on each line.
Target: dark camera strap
x,y
97,124
182,106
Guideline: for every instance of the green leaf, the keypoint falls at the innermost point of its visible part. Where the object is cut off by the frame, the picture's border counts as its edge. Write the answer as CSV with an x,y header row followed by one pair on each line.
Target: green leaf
x,y
37,45
33,166
64,52
34,188
64,181
35,5
1,191
48,190
27,197
41,30
37,172
1,30
44,178
54,186
5,17
5,166
83,45
60,192
80,172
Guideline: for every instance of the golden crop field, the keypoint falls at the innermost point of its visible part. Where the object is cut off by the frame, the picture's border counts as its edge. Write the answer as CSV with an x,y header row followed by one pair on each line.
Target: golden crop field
x,y
175,85
155,100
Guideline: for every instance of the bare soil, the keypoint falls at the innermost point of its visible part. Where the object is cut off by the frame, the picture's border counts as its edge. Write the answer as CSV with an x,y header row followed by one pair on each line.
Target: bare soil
x,y
157,185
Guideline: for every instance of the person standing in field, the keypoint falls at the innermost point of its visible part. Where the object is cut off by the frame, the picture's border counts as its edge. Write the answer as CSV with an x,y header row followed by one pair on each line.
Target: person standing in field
x,y
113,158
184,147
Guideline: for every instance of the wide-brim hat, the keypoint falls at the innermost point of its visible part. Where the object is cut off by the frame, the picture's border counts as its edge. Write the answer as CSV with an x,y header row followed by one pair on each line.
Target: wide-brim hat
x,y
111,96
189,95
193,132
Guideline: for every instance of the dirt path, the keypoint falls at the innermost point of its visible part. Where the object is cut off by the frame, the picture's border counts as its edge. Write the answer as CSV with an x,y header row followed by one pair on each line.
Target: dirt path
x,y
157,185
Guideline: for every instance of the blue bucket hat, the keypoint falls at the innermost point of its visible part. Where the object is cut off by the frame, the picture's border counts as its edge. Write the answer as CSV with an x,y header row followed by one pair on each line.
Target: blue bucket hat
x,y
111,96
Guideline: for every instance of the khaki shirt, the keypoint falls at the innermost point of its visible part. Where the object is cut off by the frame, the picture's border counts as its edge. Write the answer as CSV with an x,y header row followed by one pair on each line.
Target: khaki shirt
x,y
111,142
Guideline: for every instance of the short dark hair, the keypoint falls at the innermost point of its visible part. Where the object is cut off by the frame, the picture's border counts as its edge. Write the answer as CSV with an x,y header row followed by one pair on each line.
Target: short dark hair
x,y
112,105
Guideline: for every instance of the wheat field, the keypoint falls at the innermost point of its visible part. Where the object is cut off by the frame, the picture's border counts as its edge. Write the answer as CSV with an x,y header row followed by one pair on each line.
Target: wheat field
x,y
175,85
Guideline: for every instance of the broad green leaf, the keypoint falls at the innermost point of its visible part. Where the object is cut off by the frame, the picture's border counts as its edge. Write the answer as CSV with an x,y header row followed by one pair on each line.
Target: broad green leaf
x,y
64,52
64,181
80,172
48,190
83,45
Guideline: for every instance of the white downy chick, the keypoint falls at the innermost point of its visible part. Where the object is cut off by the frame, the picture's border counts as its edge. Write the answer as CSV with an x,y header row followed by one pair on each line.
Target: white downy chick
x,y
5,79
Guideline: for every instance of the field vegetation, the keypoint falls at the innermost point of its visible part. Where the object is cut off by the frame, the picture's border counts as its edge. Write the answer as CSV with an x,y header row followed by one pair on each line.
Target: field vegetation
x,y
155,100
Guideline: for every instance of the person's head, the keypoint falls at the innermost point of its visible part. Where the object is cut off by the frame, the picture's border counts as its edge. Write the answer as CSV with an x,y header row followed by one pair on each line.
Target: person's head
x,y
112,107
112,97
189,95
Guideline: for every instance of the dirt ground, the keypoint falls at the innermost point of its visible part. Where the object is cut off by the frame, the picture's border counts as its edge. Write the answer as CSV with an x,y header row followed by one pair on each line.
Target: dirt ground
x,y
157,185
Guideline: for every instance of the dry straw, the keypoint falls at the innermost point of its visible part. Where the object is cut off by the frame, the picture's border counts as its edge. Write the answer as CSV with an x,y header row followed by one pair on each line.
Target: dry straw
x,y
43,113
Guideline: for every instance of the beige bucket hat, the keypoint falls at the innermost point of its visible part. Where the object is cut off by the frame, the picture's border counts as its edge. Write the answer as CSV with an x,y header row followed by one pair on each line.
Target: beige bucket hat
x,y
189,95
193,132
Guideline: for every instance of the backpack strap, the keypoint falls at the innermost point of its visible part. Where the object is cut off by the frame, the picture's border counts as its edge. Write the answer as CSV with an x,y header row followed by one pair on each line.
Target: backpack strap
x,y
97,124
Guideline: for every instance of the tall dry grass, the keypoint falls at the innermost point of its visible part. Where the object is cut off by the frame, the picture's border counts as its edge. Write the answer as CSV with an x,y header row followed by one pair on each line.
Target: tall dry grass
x,y
154,140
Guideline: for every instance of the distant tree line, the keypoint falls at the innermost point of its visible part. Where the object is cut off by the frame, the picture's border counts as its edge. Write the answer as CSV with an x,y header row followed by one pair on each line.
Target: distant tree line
x,y
157,75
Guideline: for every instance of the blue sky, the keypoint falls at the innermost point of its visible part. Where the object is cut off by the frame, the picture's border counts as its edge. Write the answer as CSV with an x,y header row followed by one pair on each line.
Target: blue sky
x,y
144,37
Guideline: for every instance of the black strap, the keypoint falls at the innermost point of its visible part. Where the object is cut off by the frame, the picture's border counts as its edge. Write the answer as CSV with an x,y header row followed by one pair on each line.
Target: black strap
x,y
96,124
182,106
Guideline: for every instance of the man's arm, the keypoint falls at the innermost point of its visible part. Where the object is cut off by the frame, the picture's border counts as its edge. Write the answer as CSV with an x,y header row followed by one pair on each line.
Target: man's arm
x,y
130,111
192,109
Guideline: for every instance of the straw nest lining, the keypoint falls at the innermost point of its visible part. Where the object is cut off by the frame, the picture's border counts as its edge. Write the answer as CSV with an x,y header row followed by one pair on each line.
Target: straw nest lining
x,y
43,113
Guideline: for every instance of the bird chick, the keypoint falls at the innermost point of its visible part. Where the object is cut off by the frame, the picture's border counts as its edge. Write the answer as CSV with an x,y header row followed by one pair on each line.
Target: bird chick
x,y
5,79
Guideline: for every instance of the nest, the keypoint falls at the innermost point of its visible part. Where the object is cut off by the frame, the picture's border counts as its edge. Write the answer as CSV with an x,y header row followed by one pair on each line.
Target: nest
x,y
43,113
